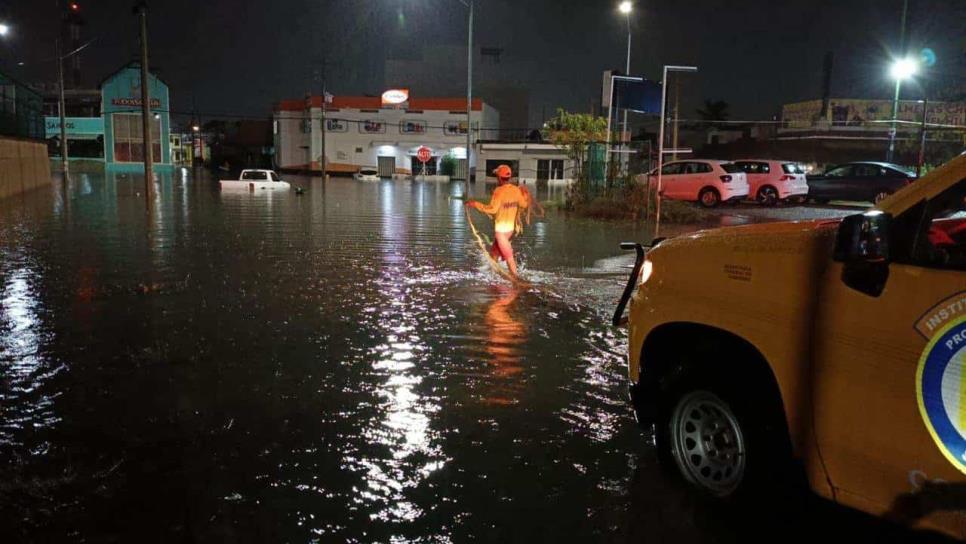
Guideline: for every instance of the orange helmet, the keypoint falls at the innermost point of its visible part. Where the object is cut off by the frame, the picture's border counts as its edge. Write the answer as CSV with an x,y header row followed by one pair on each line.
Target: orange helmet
x,y
503,171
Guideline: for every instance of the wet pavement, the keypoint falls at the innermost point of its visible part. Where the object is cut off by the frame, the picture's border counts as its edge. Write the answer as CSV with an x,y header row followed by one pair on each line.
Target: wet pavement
x,y
340,366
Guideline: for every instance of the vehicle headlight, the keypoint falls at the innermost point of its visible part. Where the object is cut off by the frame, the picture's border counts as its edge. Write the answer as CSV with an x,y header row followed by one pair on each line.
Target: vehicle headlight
x,y
647,268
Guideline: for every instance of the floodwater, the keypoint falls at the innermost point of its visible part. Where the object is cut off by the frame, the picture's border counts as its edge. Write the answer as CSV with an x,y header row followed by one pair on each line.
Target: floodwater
x,y
340,366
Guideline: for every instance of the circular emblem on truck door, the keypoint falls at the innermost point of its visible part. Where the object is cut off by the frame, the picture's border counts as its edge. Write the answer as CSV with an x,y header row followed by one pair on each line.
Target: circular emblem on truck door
x,y
941,390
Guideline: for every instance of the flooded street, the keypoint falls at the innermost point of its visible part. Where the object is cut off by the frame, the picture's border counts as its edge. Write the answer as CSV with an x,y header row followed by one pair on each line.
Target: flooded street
x,y
340,366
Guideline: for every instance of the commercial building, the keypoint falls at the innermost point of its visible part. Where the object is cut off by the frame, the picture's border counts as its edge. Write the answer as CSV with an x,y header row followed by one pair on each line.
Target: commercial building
x,y
383,132
105,124
20,110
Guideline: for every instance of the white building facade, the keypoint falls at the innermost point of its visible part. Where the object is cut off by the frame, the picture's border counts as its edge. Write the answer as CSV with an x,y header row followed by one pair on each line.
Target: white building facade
x,y
363,131
530,161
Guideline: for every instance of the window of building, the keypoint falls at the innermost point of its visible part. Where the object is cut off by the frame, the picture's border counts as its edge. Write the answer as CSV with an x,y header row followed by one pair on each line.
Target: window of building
x,y
129,138
370,126
454,128
412,127
557,169
491,165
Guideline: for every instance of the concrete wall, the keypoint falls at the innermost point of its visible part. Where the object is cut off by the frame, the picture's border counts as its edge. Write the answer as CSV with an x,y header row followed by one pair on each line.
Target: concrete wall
x,y
23,166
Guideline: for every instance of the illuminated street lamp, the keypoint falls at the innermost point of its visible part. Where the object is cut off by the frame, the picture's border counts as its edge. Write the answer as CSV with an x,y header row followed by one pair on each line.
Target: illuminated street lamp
x,y
626,7
4,29
901,69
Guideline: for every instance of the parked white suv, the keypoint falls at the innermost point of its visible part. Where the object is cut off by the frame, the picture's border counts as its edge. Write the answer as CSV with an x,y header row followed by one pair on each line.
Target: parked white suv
x,y
771,181
707,182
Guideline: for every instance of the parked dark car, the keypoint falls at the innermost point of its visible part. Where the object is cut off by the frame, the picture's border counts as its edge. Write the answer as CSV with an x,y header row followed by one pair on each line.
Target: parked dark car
x,y
859,181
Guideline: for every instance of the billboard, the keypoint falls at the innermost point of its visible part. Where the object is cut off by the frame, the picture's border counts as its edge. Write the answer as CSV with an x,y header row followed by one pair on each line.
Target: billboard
x,y
870,114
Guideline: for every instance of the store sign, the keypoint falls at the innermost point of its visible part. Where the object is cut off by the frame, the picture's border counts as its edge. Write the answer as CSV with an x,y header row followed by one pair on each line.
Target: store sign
x,y
412,127
75,126
372,127
336,125
395,98
155,103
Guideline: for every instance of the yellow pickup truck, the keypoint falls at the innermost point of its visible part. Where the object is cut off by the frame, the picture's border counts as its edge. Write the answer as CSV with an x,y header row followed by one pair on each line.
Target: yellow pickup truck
x,y
832,349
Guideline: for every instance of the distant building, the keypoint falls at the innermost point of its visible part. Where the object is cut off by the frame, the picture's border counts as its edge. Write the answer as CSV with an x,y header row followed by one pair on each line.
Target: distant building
x,y
21,111
869,119
530,162
105,124
380,132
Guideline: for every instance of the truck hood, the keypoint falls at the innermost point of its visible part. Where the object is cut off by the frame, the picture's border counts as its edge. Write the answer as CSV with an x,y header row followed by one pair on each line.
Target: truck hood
x,y
733,244
737,233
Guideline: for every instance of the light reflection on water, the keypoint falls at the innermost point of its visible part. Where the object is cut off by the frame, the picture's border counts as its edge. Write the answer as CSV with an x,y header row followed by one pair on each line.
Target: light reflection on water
x,y
340,365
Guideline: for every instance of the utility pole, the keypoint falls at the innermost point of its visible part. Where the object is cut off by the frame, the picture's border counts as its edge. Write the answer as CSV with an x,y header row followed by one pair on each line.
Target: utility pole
x,y
323,161
922,137
61,107
142,9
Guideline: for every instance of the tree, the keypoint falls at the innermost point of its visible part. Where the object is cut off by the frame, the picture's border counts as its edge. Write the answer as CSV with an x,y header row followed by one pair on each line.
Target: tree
x,y
575,133
714,110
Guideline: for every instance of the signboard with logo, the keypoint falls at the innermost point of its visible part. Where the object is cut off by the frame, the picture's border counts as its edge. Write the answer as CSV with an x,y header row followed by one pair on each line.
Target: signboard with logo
x,y
395,98
412,127
372,127
869,114
76,126
336,125
133,102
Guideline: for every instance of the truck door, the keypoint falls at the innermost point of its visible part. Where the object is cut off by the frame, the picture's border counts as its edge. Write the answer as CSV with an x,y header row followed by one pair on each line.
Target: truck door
x,y
888,378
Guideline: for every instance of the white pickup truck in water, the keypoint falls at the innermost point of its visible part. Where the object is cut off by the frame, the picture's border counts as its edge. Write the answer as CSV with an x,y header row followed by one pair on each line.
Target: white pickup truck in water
x,y
255,179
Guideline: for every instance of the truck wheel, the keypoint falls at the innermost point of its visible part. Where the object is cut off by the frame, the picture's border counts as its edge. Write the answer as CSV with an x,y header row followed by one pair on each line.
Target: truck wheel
x,y
709,197
719,442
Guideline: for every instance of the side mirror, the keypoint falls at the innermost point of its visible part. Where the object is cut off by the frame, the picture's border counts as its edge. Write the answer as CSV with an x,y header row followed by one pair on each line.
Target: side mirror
x,y
862,245
863,238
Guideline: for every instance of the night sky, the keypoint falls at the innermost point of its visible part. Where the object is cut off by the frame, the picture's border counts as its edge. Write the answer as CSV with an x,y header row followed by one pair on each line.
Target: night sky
x,y
240,56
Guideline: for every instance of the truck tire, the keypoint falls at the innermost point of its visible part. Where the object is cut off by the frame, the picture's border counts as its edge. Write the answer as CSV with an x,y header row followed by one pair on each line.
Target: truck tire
x,y
722,442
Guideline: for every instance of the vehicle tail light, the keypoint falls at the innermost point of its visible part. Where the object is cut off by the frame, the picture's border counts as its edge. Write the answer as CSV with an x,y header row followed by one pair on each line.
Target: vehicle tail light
x,y
726,178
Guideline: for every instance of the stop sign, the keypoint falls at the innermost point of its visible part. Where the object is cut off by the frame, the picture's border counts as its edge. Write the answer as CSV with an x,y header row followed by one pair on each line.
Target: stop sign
x,y
424,154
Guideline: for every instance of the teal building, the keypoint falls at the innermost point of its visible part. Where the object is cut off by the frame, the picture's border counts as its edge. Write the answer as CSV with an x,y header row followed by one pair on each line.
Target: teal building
x,y
114,134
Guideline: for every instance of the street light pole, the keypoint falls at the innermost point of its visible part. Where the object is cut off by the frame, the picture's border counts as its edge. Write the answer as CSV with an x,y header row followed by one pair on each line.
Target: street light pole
x,y
902,68
627,72
892,130
61,107
469,93
660,143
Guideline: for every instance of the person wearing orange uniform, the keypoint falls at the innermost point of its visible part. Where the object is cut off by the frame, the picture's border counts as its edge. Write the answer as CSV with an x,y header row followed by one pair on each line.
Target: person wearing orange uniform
x,y
505,207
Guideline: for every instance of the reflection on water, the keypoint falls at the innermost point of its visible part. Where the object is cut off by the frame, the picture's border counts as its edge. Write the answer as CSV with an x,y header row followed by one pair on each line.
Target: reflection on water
x,y
25,401
505,335
336,366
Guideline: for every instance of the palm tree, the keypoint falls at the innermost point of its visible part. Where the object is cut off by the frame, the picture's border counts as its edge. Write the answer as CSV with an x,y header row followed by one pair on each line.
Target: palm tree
x,y
714,110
